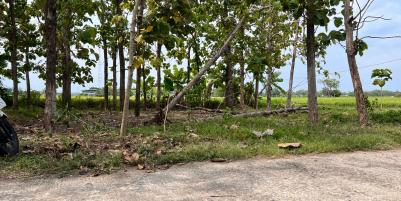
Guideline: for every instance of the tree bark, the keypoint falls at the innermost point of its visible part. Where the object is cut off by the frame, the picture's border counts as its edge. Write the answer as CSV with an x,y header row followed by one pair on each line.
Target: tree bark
x,y
27,79
293,60
311,66
242,75
122,74
158,79
189,69
202,71
257,91
51,62
209,89
66,77
269,89
13,41
121,57
139,69
131,50
145,97
351,56
106,75
114,58
229,92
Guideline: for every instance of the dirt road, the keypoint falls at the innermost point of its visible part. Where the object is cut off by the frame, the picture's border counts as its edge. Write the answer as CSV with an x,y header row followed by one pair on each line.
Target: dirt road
x,y
349,176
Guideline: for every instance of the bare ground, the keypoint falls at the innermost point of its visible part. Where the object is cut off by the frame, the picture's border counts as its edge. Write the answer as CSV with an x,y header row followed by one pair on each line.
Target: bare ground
x,y
346,176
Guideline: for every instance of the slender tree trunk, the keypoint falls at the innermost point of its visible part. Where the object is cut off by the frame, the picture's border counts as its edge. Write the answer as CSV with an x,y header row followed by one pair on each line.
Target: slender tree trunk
x,y
189,64
121,57
269,89
196,54
27,78
291,81
311,66
145,97
257,91
66,77
122,75
114,68
351,54
51,62
229,92
209,89
158,79
139,70
242,75
13,41
138,92
106,75
202,71
132,51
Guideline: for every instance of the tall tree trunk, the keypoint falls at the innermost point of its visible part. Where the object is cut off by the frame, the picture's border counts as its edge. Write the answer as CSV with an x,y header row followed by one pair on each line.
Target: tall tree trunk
x,y
145,97
311,68
189,64
158,79
13,41
131,52
66,77
269,88
353,67
121,57
114,69
27,78
139,70
242,75
106,75
229,91
257,91
202,71
293,60
122,75
51,62
67,71
138,92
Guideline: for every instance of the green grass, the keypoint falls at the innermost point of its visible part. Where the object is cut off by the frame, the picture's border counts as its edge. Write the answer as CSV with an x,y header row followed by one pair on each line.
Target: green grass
x,y
333,134
337,131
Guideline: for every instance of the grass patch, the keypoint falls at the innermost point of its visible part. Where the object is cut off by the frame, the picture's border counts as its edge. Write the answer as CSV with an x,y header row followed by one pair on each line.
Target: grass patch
x,y
228,137
217,140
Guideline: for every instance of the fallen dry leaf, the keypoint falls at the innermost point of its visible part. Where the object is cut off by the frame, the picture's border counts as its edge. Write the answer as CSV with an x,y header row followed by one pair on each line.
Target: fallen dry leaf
x,y
130,158
141,166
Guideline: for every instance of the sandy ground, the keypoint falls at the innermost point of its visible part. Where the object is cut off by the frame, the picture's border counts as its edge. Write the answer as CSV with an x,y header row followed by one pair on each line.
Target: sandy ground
x,y
349,176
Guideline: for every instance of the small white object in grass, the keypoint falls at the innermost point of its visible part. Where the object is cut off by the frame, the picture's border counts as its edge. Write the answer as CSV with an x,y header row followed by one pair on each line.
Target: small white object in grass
x,y
268,132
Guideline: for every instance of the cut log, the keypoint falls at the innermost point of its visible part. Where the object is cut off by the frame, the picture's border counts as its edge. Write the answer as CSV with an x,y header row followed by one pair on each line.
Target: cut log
x,y
200,108
273,112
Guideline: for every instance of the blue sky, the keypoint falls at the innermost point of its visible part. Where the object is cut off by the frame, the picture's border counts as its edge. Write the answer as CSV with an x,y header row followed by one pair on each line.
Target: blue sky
x,y
381,54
